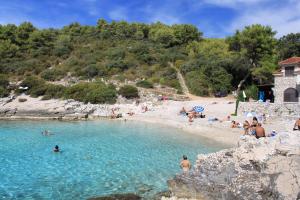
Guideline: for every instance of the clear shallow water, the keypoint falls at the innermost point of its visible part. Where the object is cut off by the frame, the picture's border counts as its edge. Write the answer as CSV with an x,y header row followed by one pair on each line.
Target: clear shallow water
x,y
98,158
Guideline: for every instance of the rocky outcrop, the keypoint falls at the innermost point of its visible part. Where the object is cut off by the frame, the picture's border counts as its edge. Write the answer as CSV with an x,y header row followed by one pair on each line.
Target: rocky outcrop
x,y
266,168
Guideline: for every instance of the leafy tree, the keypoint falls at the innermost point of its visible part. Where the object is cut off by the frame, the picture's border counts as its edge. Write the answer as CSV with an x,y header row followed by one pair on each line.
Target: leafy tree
x,y
7,49
289,46
254,43
185,33
162,34
23,33
62,45
197,83
9,32
41,42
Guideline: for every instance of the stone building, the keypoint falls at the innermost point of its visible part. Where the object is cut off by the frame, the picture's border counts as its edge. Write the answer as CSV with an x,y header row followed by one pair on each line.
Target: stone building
x,y
287,82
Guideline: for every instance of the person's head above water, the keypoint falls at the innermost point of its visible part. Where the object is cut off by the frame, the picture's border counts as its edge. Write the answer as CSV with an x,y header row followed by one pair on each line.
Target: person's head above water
x,y
56,147
184,157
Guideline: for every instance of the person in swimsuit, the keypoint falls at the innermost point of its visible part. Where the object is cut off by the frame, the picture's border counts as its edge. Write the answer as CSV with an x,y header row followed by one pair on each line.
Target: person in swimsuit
x,y
185,164
259,131
56,148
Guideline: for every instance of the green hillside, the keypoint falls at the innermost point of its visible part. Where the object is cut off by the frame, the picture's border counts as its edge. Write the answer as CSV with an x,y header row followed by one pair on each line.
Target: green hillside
x,y
134,51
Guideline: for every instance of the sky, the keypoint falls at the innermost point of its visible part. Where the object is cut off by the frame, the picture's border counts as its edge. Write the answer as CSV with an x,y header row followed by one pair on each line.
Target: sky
x,y
215,18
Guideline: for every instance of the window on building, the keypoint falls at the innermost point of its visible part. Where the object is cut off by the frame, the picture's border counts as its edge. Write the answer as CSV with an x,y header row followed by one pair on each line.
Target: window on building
x,y
289,71
291,95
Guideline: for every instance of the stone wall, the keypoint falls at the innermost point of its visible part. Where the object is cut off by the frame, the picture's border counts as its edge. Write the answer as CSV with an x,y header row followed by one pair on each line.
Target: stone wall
x,y
272,109
281,84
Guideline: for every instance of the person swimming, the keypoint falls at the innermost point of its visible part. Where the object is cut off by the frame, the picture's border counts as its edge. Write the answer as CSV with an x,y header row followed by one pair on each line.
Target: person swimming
x,y
185,164
45,132
56,148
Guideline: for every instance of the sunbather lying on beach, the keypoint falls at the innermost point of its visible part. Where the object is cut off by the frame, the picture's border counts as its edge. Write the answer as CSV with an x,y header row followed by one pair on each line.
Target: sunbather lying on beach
x,y
297,125
130,113
234,124
200,115
213,119
182,111
227,119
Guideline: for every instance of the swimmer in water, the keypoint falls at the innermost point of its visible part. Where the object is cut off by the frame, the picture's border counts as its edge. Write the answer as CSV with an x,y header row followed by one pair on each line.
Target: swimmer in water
x,y
185,164
56,148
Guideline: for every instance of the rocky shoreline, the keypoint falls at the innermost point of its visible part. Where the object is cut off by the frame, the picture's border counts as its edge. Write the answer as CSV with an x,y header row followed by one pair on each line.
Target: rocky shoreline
x,y
57,110
266,168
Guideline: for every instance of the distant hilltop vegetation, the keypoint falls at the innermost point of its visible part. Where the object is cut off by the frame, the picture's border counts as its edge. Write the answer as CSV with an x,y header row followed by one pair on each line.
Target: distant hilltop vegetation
x,y
96,60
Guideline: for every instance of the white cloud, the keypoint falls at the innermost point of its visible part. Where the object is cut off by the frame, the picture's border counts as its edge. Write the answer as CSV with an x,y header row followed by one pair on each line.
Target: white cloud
x,y
166,13
283,19
120,13
165,18
233,3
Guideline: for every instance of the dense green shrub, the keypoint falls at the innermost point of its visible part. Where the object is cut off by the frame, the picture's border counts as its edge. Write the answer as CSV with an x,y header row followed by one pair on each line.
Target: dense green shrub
x,y
197,83
32,81
174,83
37,91
129,91
3,92
4,82
144,84
96,92
36,86
54,92
53,74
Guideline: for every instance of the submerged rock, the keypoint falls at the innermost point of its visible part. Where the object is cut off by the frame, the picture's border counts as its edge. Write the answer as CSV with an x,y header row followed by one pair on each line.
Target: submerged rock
x,y
128,196
268,168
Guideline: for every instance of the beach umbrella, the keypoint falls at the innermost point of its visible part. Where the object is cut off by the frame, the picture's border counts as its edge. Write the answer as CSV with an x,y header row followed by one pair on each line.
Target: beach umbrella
x,y
198,109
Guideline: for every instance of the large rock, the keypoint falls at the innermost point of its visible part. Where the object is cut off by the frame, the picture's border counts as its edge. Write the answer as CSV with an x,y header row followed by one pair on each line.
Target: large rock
x,y
268,168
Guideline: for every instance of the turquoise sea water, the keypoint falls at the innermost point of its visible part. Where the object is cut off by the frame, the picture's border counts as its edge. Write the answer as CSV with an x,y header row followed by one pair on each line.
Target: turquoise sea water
x,y
97,158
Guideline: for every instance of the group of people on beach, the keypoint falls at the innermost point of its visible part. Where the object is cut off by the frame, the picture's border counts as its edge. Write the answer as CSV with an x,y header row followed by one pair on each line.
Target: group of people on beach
x,y
191,114
254,128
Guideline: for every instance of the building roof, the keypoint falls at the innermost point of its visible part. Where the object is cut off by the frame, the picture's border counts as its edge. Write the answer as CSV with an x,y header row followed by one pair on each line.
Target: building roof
x,y
292,60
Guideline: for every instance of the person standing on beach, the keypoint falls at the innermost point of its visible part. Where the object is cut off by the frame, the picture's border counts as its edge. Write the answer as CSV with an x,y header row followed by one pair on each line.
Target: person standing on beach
x,y
185,164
